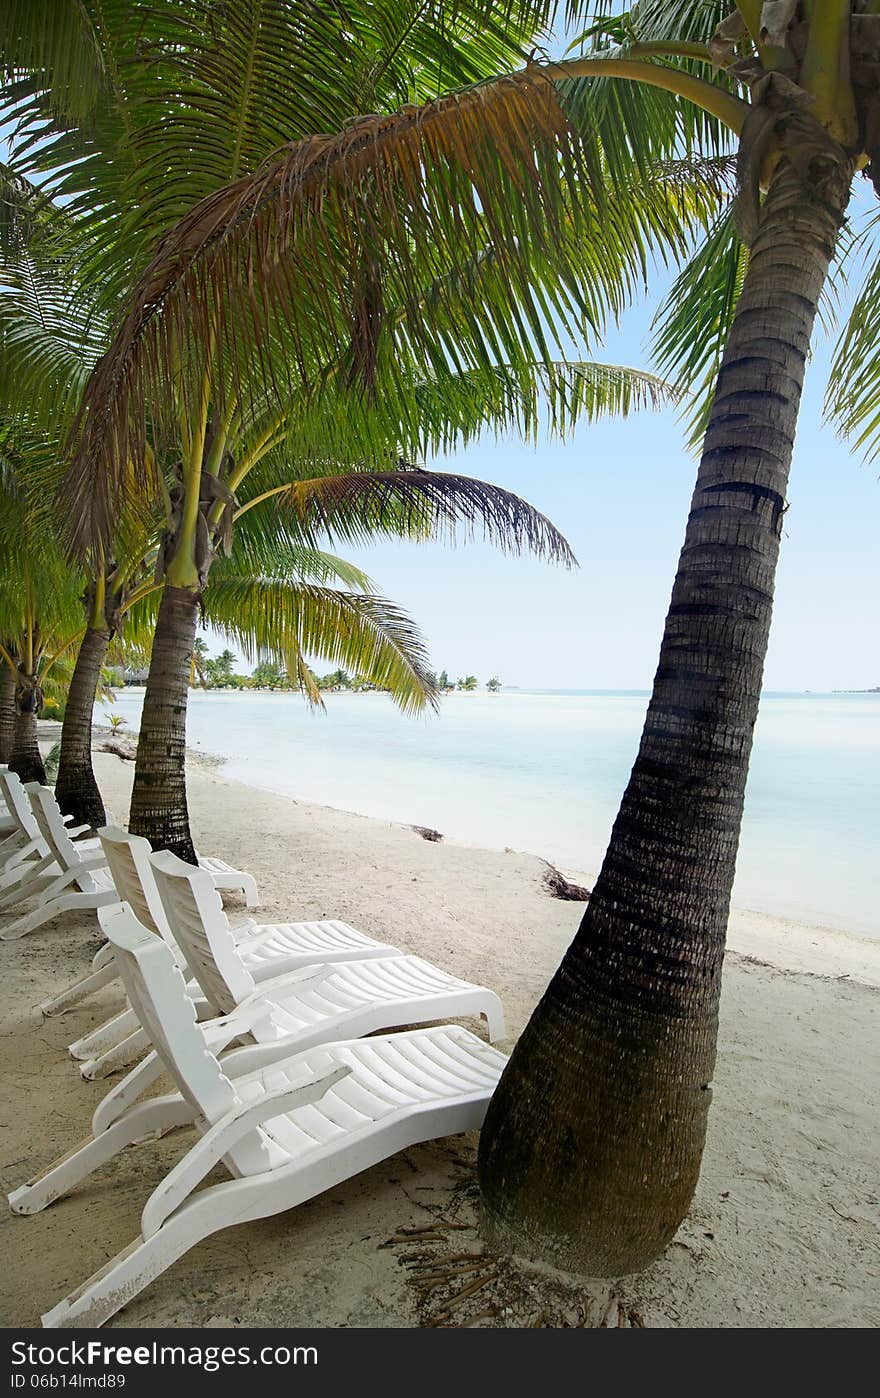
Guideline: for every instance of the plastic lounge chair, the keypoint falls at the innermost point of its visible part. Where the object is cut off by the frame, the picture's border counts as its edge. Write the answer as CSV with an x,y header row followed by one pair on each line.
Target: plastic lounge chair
x,y
286,1128
322,1002
8,823
30,865
267,950
83,881
102,971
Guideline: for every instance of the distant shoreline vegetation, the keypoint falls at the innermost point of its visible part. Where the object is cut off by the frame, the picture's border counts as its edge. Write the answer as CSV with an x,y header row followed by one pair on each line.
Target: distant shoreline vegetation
x,y
219,672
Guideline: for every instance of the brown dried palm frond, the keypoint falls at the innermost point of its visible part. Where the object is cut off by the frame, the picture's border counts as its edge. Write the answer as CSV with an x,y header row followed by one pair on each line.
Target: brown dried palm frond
x,y
275,262
422,504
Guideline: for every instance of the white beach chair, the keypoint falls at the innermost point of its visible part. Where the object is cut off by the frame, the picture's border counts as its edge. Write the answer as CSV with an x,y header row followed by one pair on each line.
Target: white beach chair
x,y
307,1007
291,1128
30,864
268,950
82,880
8,823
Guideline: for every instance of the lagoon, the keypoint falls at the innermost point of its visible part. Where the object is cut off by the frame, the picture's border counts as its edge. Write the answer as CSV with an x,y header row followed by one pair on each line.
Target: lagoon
x,y
543,771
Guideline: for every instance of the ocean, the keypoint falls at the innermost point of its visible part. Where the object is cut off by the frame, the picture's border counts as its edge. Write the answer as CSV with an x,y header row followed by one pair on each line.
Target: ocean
x,y
543,771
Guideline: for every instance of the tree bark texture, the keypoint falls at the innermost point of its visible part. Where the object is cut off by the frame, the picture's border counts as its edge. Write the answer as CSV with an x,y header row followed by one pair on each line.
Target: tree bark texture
x,y
25,758
76,789
591,1149
7,712
158,800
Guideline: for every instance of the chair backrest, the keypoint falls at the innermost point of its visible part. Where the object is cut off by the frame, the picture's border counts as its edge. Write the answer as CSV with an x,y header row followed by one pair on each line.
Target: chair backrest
x,y
19,806
128,859
201,929
157,993
47,814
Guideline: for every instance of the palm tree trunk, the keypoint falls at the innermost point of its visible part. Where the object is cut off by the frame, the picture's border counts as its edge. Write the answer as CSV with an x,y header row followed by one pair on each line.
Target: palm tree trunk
x,y
25,758
158,800
76,789
7,711
591,1148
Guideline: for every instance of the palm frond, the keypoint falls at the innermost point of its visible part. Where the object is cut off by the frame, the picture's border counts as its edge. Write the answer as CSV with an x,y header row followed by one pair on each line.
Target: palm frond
x,y
422,504
497,155
287,621
852,399
692,327
56,39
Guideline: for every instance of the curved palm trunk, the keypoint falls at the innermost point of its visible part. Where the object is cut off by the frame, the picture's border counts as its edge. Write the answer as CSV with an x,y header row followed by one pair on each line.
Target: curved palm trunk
x,y
25,758
7,711
158,800
76,789
591,1148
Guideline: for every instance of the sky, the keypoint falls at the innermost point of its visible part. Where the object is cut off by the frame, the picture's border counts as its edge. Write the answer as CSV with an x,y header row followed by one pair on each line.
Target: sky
x,y
620,492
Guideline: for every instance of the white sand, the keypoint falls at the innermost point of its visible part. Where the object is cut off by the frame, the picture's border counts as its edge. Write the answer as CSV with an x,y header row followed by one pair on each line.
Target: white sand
x,y
783,1228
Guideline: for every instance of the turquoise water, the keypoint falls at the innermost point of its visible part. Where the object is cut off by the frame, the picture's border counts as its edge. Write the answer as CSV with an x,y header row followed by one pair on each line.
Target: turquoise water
x,y
544,772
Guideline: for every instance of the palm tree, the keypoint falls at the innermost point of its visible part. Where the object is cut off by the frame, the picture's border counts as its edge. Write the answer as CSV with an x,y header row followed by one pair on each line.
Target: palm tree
x,y
116,133
7,702
40,612
469,683
493,685
269,675
199,662
51,334
593,1141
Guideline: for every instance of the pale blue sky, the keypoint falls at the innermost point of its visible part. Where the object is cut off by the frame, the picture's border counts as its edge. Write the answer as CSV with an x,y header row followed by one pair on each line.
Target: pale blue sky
x,y
620,493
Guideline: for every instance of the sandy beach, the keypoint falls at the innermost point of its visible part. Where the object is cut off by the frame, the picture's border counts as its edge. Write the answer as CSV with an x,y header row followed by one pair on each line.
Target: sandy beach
x,y
783,1231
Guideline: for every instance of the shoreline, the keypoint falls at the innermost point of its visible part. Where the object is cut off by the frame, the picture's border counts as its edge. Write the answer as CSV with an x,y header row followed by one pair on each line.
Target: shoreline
x,y
781,1230
509,774
788,944
784,943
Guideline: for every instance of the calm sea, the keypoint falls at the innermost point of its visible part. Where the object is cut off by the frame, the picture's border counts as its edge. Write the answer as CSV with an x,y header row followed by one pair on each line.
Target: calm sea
x,y
543,771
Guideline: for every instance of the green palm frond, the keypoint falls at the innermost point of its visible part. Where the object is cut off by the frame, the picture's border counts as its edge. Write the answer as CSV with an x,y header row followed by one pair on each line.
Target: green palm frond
x,y
49,341
267,543
56,39
853,396
292,269
692,327
135,112
286,621
40,592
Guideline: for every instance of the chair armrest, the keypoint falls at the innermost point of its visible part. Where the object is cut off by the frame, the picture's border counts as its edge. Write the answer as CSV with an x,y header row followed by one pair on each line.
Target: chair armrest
x,y
221,1031
242,928
195,1165
94,861
309,977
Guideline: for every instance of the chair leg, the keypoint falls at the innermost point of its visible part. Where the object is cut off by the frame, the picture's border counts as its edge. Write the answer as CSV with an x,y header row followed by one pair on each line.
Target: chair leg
x,y
111,1033
59,884
494,1019
68,902
19,861
30,880
126,1275
123,1096
105,975
66,1172
120,1056
103,956
249,888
